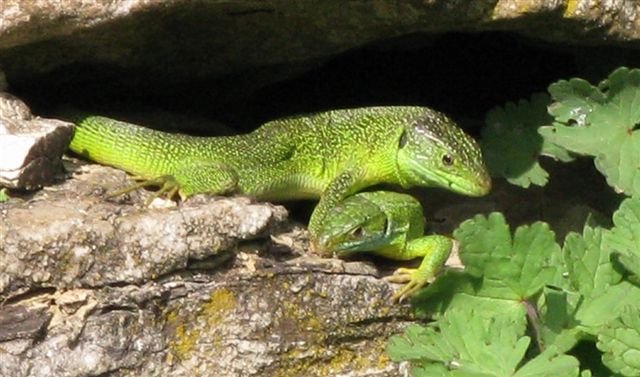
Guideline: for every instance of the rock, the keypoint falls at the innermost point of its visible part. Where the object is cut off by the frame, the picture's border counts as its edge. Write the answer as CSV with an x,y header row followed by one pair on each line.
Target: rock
x,y
275,322
30,147
161,43
94,285
69,237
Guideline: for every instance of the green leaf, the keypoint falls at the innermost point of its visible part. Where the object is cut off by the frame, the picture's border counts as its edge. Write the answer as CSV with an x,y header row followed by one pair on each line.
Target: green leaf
x,y
430,370
593,276
511,143
551,362
451,287
467,341
455,288
556,326
3,195
601,122
471,341
624,238
589,268
515,267
414,344
619,340
595,311
574,100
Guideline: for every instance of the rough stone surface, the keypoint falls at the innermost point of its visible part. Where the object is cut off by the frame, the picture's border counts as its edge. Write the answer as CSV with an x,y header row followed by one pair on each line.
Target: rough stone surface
x,y
288,321
105,286
153,41
67,236
30,147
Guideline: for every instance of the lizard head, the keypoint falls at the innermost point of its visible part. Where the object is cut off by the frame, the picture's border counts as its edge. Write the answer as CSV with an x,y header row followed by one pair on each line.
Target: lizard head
x,y
434,151
354,225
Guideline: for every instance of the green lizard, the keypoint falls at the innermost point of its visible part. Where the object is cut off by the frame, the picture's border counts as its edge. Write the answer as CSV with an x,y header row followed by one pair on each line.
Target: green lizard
x,y
328,155
391,225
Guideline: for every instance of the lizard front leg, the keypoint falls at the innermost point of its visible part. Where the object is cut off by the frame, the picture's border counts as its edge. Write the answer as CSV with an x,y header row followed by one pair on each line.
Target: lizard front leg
x,y
345,184
434,250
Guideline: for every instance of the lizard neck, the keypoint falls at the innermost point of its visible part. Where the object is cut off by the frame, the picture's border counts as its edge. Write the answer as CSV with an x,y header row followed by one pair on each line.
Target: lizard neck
x,y
398,178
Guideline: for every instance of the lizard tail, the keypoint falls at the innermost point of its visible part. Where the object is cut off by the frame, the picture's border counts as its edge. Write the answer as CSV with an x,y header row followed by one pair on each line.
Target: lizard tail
x,y
137,150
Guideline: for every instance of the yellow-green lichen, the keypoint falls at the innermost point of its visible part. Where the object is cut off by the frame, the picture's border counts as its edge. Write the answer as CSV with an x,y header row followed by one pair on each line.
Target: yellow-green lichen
x,y
215,310
570,8
314,357
303,319
317,360
189,329
184,339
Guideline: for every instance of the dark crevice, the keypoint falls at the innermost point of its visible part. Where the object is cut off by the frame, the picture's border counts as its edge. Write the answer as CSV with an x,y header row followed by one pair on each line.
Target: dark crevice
x,y
388,319
119,308
247,12
355,338
462,74
115,284
28,295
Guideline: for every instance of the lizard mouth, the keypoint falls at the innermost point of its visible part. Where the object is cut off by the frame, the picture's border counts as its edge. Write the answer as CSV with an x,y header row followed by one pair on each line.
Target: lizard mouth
x,y
327,247
467,183
347,249
480,188
470,185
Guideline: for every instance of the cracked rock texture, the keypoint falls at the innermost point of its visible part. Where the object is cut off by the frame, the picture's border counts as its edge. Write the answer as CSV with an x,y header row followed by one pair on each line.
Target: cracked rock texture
x,y
159,43
66,236
95,286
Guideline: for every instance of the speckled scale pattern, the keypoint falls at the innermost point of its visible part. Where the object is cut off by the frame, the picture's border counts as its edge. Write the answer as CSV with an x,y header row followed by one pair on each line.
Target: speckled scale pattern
x,y
449,135
401,208
368,210
301,153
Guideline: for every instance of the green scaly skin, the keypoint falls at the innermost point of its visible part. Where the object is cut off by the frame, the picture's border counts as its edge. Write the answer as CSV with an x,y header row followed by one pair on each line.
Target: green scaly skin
x,y
391,225
328,155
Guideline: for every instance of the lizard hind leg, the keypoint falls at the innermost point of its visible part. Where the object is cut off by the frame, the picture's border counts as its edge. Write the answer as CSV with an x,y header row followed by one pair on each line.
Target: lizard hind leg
x,y
206,178
167,185
212,178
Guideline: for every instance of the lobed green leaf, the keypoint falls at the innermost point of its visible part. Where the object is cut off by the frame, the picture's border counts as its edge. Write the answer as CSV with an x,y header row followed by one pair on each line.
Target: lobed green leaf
x,y
522,263
624,238
601,122
593,275
619,340
511,143
465,341
551,362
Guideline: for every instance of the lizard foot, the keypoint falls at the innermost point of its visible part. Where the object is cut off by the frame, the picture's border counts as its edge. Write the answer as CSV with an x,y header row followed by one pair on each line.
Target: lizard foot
x,y
167,184
414,282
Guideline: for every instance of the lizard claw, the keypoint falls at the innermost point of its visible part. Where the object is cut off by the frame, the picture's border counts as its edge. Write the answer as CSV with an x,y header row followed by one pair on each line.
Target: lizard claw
x,y
167,184
413,279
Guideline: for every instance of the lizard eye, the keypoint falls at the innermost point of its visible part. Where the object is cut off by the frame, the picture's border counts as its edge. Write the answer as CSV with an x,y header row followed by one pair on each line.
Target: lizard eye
x,y
386,225
403,139
447,160
357,232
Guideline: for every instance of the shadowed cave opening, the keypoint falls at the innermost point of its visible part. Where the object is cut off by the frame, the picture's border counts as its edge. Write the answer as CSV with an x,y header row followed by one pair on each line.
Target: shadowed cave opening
x,y
461,74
